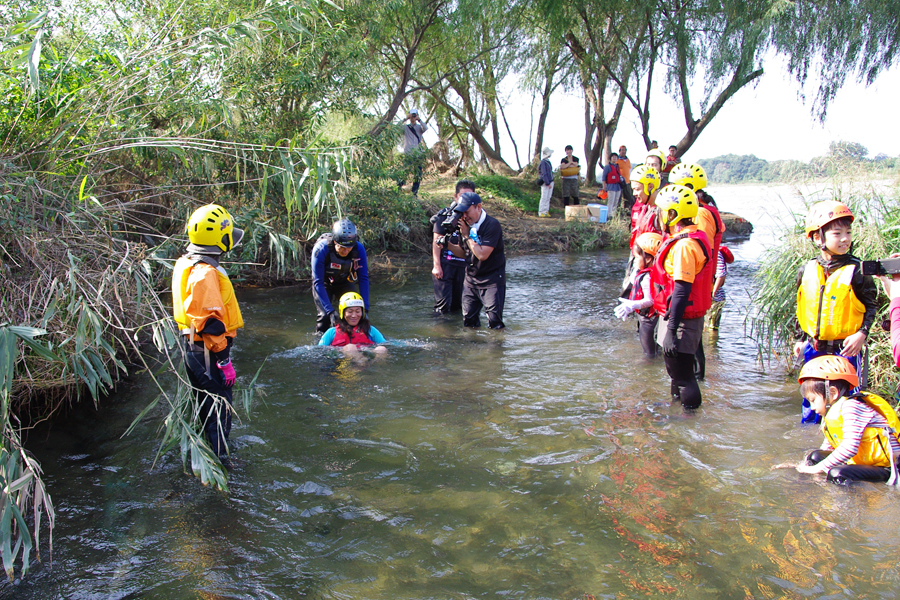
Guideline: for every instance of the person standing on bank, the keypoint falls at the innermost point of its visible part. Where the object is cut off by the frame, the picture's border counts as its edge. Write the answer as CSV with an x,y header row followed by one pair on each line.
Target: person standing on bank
x,y
546,172
413,148
611,183
482,245
208,317
339,265
448,270
625,168
569,170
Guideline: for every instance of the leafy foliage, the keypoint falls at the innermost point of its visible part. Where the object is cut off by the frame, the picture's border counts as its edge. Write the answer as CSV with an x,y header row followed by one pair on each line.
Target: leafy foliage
x,y
504,187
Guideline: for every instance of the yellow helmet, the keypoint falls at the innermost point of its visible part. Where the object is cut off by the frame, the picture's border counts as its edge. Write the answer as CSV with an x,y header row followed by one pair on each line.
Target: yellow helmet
x,y
648,176
689,175
824,212
649,242
657,153
211,225
678,198
350,300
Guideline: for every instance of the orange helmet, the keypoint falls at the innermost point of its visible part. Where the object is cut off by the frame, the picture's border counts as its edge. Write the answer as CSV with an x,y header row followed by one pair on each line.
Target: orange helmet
x,y
830,368
649,242
823,213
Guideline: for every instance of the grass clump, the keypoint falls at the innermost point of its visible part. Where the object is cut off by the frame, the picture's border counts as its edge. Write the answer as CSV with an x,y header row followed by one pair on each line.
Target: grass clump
x,y
511,190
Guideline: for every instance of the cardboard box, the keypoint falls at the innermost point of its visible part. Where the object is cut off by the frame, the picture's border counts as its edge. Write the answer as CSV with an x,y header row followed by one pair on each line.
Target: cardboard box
x,y
578,213
598,212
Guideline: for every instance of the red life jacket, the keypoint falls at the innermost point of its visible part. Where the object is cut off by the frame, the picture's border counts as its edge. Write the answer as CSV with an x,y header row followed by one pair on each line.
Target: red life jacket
x,y
614,175
637,213
701,290
637,291
720,227
356,337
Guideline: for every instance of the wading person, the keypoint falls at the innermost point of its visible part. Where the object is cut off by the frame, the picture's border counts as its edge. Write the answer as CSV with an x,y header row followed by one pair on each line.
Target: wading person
x,y
684,289
482,245
352,329
569,170
860,429
339,265
640,292
841,324
448,271
208,317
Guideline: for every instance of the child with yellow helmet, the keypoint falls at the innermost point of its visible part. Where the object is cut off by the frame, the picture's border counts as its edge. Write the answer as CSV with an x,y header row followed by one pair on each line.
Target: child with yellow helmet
x,y
639,294
860,429
352,328
680,274
208,317
836,303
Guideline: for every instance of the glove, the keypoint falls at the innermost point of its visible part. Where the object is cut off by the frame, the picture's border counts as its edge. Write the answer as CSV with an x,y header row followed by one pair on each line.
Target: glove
x,y
626,307
228,371
669,345
334,318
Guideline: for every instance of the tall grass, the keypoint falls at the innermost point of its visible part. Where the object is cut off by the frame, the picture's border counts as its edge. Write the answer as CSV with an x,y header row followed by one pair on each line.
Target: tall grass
x,y
876,234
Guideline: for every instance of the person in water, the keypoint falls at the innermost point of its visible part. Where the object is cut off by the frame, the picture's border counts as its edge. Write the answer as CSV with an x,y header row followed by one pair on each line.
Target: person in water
x,y
680,274
339,265
352,329
860,429
639,298
840,325
208,317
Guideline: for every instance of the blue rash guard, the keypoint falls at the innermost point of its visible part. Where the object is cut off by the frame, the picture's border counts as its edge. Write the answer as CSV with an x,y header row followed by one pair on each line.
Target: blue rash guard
x,y
374,334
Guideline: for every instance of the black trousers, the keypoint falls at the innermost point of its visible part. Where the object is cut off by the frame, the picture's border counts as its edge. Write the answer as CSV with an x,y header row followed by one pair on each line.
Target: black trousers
x,y
647,334
491,298
335,291
684,382
216,417
449,288
846,474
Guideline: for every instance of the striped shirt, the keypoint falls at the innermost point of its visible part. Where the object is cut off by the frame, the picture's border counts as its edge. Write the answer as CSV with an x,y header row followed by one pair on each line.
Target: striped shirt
x,y
857,415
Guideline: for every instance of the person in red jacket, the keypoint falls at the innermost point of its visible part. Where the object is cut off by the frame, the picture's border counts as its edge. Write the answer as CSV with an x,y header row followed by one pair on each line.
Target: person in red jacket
x,y
683,289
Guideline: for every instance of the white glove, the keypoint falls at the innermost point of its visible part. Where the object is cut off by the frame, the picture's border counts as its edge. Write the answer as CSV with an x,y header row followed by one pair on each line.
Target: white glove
x,y
626,307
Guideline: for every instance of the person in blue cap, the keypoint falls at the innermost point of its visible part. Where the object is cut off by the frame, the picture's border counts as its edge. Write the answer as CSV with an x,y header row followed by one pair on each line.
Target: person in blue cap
x,y
482,246
339,265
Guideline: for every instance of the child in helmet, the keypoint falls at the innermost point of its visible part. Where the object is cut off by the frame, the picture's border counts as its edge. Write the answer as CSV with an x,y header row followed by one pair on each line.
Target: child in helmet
x,y
836,303
352,328
860,429
683,289
640,293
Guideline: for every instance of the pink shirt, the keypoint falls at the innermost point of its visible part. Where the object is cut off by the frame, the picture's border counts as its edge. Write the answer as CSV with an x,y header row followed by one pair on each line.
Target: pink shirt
x,y
895,329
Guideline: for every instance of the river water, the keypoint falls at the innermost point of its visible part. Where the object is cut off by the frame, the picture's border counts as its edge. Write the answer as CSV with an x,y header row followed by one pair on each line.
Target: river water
x,y
543,461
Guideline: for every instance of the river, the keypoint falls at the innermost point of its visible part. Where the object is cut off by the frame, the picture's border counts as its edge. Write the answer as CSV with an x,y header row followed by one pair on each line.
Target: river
x,y
543,461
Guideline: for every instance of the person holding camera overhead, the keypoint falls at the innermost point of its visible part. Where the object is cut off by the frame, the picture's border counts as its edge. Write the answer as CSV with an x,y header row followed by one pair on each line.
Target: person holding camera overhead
x,y
448,271
482,246
339,265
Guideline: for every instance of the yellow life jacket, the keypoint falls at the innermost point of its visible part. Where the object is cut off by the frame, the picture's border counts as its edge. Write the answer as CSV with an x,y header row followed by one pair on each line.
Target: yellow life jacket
x,y
827,308
875,446
181,295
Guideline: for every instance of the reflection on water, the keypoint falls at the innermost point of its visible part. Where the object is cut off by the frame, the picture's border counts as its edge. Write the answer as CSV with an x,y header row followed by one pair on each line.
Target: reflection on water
x,y
543,461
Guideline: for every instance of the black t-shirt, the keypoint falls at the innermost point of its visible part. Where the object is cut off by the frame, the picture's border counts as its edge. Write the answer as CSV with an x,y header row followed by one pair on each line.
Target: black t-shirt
x,y
446,254
492,270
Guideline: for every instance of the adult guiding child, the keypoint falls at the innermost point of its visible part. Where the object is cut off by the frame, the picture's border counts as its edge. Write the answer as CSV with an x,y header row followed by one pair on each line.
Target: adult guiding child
x,y
339,265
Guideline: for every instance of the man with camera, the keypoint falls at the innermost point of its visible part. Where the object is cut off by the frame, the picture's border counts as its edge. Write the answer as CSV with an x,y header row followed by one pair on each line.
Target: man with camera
x,y
482,246
448,271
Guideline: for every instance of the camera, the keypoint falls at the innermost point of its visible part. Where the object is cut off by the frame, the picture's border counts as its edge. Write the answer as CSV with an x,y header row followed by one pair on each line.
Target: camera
x,y
449,218
885,266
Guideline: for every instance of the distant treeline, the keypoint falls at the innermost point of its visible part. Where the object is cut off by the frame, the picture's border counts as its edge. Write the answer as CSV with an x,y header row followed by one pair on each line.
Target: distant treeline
x,y
733,168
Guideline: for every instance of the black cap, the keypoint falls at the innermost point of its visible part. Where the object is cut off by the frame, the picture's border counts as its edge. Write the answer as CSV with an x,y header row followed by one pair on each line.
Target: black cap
x,y
466,200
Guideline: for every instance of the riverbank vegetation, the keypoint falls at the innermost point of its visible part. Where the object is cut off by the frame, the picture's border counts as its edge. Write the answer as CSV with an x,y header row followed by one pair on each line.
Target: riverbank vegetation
x,y
844,159
876,234
117,120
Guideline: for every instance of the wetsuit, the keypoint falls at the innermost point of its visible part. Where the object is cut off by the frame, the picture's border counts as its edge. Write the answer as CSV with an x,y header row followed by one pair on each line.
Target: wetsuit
x,y
335,275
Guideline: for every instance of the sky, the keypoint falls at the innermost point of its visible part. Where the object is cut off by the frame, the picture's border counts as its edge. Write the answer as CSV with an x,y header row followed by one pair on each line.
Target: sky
x,y
770,121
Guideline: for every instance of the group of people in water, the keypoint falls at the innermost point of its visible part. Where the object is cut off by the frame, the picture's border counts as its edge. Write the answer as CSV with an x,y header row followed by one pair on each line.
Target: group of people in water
x,y
672,278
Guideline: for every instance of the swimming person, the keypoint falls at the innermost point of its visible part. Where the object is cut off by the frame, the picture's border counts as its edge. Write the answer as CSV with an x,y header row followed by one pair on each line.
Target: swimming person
x,y
352,329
